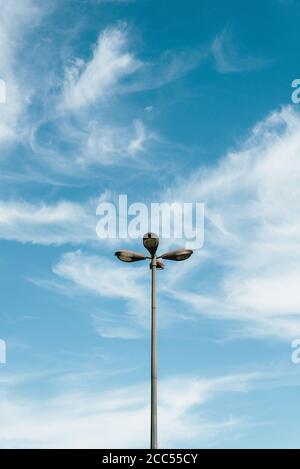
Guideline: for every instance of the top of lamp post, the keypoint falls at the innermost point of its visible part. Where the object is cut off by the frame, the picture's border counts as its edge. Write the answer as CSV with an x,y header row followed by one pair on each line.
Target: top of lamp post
x,y
151,242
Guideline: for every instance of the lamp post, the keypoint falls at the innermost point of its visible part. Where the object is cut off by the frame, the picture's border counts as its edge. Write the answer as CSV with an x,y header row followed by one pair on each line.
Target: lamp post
x,y
151,242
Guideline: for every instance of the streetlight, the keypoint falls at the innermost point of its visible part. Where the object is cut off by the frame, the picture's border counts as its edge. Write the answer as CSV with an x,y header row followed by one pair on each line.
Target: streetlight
x,y
151,242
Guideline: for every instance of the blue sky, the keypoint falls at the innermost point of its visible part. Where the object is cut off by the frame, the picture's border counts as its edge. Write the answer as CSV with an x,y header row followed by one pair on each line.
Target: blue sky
x,y
162,101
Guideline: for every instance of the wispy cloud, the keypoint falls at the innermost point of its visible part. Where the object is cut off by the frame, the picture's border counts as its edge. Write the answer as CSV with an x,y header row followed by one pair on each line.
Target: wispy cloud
x,y
81,112
111,144
252,229
115,69
88,82
63,222
88,419
229,58
15,19
170,66
100,275
97,275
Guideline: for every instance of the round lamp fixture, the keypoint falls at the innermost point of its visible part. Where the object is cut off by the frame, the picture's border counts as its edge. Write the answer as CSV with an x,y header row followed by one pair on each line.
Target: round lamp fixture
x,y
151,242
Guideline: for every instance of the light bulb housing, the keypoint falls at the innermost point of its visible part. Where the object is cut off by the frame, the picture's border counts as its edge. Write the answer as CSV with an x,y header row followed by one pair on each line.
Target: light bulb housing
x,y
178,255
151,242
130,256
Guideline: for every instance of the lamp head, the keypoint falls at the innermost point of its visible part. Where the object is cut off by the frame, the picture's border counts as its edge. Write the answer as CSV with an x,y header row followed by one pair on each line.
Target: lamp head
x,y
178,255
151,242
130,256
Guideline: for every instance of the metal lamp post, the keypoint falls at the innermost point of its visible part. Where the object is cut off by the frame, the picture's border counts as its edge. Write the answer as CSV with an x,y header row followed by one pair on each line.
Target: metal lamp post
x,y
151,242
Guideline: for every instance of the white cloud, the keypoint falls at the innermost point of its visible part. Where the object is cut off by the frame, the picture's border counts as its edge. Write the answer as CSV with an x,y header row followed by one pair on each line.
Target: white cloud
x,y
87,419
63,222
112,144
88,82
113,69
228,58
14,21
91,144
169,67
105,277
140,136
89,137
252,231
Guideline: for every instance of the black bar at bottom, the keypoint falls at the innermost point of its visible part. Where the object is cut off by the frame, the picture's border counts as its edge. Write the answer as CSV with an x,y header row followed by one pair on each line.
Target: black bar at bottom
x,y
138,458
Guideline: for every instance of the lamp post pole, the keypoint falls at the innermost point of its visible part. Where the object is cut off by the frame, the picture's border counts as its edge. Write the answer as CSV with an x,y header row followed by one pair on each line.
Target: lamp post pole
x,y
151,242
153,443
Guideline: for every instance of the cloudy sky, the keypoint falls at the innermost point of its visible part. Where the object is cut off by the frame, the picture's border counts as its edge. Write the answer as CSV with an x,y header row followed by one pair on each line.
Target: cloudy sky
x,y
162,101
